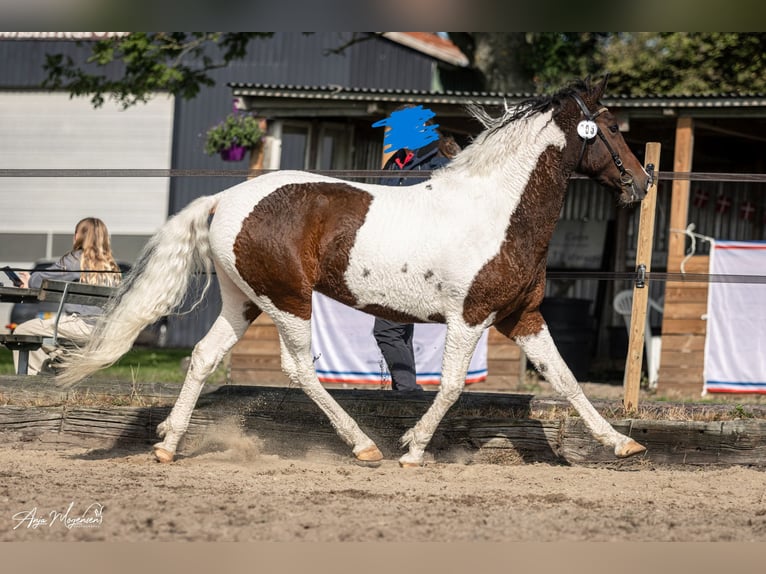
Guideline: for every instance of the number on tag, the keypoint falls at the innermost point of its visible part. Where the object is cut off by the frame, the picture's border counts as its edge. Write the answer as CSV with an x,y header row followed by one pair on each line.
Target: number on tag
x,y
587,129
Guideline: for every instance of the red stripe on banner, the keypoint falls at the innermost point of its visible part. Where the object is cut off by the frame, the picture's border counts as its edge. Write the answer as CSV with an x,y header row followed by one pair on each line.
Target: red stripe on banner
x,y
345,380
740,246
736,391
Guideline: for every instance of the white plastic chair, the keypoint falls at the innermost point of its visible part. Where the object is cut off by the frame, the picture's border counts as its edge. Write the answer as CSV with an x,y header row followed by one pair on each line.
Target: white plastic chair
x,y
623,305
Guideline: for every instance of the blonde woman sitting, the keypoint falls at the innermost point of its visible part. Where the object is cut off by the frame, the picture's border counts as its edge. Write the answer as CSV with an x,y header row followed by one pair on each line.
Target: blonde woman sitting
x,y
90,261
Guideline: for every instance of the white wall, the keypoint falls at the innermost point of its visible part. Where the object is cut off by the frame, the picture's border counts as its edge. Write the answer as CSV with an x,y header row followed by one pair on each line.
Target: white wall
x,y
50,130
42,130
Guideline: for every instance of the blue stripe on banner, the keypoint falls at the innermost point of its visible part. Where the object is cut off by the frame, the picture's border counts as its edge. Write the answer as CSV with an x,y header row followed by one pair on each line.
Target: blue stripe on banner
x,y
734,387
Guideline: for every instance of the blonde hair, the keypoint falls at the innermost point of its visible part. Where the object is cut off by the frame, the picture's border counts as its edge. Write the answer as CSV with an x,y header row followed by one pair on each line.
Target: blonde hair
x,y
92,237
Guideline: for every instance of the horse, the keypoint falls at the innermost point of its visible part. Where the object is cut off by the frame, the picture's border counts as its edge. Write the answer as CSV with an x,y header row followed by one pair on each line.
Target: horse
x,y
466,247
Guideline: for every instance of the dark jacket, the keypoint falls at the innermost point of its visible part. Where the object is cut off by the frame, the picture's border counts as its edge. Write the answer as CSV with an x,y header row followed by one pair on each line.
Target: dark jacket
x,y
424,158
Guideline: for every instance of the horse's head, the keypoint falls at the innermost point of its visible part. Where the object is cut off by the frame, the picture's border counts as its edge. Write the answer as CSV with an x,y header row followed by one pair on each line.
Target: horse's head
x,y
601,150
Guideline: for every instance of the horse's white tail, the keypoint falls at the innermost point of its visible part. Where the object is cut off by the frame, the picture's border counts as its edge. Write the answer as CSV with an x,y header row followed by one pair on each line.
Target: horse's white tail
x,y
154,287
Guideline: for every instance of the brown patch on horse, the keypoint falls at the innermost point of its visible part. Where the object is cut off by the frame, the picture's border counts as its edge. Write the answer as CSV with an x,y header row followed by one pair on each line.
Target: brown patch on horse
x,y
399,316
252,311
390,314
521,323
514,280
298,239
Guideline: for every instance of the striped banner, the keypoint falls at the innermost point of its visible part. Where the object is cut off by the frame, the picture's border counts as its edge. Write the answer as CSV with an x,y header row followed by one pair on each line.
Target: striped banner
x,y
735,346
345,350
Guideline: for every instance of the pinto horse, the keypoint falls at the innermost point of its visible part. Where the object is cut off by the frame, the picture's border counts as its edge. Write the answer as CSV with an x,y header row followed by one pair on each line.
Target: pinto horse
x,y
466,247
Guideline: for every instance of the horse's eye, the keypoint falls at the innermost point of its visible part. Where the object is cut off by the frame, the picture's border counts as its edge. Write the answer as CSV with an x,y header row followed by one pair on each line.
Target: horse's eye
x,y
614,128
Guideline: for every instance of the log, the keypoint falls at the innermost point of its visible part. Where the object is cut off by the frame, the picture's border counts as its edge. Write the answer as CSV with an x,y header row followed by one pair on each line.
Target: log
x,y
287,423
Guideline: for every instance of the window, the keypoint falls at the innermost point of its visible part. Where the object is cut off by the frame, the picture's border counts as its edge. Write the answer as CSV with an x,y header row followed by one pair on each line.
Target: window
x,y
295,146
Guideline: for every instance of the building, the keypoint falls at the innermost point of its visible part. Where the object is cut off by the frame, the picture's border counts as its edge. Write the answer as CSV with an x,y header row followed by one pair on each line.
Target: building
x,y
40,129
319,105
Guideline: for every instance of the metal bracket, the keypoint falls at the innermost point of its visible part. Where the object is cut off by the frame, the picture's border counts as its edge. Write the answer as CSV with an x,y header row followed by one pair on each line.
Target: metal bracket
x,y
650,171
641,276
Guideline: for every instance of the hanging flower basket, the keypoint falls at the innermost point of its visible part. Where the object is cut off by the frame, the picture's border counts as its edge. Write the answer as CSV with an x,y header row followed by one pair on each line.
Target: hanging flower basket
x,y
232,137
234,153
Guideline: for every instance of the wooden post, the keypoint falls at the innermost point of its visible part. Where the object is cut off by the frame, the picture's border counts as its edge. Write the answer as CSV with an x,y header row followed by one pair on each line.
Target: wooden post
x,y
641,294
255,163
679,201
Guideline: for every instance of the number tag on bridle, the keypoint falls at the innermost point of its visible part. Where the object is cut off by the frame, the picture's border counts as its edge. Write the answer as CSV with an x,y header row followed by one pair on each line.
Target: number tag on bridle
x,y
587,129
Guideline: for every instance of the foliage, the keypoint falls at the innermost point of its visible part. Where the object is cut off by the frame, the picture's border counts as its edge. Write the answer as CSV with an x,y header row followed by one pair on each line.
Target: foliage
x,y
237,129
529,61
739,412
132,68
639,63
683,63
555,58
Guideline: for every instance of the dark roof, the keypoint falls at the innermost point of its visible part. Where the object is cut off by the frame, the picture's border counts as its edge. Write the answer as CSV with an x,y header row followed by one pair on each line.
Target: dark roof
x,y
344,93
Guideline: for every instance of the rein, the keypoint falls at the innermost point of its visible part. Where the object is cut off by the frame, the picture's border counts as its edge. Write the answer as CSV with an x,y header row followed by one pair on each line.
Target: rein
x,y
626,178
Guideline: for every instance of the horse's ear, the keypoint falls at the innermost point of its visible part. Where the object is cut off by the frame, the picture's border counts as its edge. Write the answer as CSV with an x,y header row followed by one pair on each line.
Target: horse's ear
x,y
601,88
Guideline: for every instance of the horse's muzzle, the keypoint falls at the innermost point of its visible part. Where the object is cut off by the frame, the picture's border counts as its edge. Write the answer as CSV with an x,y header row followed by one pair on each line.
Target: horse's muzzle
x,y
630,191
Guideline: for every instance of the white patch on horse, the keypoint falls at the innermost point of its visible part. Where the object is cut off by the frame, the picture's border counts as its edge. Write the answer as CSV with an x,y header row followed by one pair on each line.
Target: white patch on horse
x,y
441,261
545,356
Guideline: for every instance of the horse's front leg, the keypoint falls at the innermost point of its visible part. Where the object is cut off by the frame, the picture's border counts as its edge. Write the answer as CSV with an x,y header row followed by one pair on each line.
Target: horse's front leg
x,y
542,352
459,346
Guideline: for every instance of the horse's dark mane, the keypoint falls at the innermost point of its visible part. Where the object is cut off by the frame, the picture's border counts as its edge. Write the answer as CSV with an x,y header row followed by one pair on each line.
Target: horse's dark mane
x,y
530,107
543,103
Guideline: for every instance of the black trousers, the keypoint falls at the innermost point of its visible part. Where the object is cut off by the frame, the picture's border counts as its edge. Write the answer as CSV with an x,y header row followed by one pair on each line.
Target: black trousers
x,y
395,342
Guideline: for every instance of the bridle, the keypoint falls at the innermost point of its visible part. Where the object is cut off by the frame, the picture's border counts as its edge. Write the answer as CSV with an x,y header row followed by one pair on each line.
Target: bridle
x,y
592,130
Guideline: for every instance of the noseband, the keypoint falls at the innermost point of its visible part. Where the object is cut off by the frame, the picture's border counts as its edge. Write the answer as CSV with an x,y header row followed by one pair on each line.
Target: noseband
x,y
589,129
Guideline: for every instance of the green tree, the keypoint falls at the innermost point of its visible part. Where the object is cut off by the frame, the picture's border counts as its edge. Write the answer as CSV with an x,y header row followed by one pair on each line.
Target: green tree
x,y
639,63
530,61
678,63
174,62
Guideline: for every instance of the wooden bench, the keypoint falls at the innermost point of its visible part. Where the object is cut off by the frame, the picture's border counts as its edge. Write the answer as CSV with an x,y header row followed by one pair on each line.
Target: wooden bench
x,y
61,292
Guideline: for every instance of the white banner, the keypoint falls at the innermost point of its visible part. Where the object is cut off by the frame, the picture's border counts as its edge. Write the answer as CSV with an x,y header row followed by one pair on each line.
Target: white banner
x,y
345,350
735,346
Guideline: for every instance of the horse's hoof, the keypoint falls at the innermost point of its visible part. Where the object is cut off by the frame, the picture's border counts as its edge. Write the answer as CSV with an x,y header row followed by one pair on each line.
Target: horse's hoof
x,y
163,455
629,449
405,464
371,454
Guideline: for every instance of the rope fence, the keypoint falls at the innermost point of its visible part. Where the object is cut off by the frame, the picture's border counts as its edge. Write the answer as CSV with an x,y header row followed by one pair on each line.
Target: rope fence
x,y
659,276
343,174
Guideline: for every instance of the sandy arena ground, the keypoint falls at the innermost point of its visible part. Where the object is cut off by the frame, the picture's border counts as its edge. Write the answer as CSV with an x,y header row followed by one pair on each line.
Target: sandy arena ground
x,y
225,489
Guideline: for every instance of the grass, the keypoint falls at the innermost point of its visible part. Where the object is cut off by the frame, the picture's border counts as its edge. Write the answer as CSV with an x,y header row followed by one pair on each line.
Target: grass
x,y
143,364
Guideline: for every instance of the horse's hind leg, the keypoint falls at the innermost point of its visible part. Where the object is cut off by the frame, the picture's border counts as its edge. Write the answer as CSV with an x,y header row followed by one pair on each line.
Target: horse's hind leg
x,y
236,315
459,346
541,350
298,364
